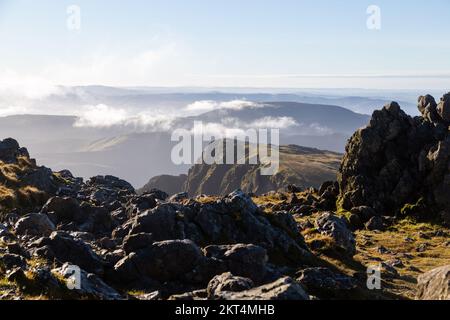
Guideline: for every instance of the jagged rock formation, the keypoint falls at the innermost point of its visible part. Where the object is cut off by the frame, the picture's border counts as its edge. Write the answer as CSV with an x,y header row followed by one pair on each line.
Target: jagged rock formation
x,y
398,160
301,166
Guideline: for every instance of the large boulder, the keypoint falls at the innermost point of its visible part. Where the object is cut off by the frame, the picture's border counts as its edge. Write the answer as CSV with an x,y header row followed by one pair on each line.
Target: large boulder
x,y
283,289
138,241
227,282
90,285
162,261
63,247
335,227
244,260
327,284
434,284
34,224
63,209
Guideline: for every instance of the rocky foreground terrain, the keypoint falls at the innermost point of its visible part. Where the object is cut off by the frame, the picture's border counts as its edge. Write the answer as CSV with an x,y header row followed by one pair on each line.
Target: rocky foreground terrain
x,y
389,209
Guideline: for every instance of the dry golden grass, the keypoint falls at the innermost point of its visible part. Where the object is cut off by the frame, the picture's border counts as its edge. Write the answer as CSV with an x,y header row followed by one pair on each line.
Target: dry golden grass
x,y
267,199
402,242
207,199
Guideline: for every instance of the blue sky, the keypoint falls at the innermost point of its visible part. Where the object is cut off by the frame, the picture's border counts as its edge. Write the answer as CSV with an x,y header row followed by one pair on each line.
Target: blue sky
x,y
284,43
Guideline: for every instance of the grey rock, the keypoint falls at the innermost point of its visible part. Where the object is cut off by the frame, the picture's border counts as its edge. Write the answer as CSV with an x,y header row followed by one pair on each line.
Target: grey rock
x,y
65,248
282,289
375,223
11,261
34,224
326,284
179,197
227,282
398,160
90,284
443,108
63,209
163,261
135,242
434,284
244,260
335,227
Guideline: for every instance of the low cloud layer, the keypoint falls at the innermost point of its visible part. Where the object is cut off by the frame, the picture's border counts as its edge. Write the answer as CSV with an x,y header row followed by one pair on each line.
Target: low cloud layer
x,y
208,105
103,116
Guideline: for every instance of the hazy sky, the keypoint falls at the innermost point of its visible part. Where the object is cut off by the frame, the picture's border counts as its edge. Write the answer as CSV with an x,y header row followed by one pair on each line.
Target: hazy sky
x,y
283,43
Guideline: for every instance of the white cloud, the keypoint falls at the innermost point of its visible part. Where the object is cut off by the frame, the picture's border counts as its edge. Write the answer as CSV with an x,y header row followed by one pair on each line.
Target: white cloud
x,y
273,122
103,116
316,128
100,116
209,105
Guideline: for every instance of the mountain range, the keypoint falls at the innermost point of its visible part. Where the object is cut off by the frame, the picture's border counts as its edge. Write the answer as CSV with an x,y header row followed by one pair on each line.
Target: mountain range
x,y
122,149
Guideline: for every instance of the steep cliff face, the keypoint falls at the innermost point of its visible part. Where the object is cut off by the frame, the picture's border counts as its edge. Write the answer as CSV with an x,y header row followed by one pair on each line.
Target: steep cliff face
x,y
398,160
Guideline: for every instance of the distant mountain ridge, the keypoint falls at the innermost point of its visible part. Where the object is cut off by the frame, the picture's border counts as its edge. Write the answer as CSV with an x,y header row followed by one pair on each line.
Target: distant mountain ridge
x,y
300,166
126,152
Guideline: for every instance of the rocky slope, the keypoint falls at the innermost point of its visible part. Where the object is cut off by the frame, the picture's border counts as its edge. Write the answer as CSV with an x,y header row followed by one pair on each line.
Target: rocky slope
x,y
300,166
282,245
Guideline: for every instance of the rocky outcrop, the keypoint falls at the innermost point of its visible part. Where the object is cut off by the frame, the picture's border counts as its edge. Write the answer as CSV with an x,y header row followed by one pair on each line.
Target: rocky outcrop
x,y
23,184
434,284
233,219
398,160
10,151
